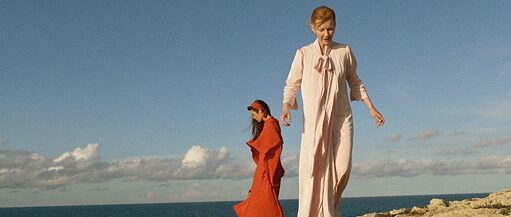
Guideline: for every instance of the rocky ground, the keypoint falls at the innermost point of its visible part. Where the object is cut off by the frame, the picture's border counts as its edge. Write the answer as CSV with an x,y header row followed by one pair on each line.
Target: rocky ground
x,y
497,204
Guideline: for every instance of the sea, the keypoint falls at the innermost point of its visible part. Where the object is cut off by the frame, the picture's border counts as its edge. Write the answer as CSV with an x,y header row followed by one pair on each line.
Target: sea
x,y
350,207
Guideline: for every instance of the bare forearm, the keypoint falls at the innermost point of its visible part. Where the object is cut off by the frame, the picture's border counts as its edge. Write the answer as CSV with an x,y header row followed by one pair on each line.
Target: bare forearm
x,y
374,113
285,106
369,104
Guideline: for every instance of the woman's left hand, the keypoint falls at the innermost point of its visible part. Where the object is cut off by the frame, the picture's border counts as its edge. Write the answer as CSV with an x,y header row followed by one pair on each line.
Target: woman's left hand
x,y
378,117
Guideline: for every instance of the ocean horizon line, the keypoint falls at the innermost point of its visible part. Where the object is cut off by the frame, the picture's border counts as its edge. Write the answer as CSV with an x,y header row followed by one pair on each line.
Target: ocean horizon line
x,y
235,201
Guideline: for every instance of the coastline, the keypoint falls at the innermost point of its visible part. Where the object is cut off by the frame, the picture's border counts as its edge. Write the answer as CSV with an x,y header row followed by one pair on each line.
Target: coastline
x,y
497,204
350,207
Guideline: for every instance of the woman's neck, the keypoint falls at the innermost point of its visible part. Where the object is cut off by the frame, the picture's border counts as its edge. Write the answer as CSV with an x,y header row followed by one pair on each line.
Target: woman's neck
x,y
322,48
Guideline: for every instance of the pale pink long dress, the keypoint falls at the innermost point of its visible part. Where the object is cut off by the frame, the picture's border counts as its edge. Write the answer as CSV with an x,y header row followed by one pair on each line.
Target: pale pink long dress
x,y
327,133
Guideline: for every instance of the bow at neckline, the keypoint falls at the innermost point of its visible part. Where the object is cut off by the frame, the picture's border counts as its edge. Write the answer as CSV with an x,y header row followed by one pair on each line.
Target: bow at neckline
x,y
324,63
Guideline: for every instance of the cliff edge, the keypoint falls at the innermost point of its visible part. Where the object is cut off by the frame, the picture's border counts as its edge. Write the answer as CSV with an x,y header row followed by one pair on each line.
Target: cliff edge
x,y
497,204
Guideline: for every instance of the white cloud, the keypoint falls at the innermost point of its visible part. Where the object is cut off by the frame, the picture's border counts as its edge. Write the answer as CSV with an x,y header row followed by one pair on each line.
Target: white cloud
x,y
91,151
428,134
410,168
203,163
57,168
491,142
290,164
21,169
457,152
200,162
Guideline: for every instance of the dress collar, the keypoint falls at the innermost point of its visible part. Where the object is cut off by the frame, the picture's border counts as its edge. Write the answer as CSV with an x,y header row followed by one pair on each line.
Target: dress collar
x,y
324,63
318,48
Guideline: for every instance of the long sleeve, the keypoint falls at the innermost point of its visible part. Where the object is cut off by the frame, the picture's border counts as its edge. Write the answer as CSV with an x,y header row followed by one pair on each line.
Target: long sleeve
x,y
357,89
269,139
269,147
272,138
255,154
273,146
294,80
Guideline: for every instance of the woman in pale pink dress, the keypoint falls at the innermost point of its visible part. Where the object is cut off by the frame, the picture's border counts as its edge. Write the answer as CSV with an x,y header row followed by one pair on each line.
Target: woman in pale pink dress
x,y
323,70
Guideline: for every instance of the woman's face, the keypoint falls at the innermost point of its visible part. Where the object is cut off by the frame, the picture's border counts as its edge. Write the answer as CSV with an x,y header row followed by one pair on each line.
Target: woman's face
x,y
325,32
257,115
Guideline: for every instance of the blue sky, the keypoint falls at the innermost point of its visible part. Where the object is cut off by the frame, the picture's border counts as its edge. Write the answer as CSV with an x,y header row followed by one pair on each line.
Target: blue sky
x,y
132,102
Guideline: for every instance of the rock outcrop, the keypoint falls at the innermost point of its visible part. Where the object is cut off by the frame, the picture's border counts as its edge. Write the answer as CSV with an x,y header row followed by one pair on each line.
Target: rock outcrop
x,y
497,204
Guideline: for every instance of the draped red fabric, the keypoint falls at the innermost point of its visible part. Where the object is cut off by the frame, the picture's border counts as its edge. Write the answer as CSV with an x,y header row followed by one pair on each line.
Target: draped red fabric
x,y
266,150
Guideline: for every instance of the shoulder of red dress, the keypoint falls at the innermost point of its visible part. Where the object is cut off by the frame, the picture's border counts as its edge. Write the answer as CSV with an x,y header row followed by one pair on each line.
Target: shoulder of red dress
x,y
271,121
274,120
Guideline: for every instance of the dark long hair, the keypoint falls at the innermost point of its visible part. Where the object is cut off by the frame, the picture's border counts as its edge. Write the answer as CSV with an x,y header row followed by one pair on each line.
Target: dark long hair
x,y
257,127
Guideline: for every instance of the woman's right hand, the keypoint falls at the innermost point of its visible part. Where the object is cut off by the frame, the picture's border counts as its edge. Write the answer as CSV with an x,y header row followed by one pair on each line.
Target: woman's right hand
x,y
285,114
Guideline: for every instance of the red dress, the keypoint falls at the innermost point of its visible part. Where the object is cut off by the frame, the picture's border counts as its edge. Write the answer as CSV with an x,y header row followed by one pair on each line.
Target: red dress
x,y
266,149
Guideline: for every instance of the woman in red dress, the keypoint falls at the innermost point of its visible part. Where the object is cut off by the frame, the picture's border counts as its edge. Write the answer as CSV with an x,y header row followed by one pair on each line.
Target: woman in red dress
x,y
266,147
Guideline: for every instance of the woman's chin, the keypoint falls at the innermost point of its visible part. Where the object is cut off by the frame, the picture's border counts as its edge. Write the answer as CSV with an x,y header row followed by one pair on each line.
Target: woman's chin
x,y
325,42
